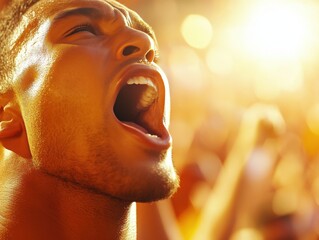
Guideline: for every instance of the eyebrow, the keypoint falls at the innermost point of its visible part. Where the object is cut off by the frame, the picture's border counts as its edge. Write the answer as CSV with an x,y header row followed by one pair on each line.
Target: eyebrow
x,y
89,12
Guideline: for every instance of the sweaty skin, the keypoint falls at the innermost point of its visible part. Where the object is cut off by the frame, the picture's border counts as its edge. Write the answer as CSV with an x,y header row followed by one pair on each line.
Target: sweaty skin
x,y
70,167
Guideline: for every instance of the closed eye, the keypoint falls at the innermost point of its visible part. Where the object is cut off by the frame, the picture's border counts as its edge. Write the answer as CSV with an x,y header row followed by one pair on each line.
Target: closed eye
x,y
82,28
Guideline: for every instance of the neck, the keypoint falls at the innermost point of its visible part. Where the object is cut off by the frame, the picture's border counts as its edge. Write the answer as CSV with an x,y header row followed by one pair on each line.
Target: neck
x,y
40,206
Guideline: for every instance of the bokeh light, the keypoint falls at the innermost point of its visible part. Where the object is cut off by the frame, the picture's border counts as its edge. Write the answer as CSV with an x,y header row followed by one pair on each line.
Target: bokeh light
x,y
185,67
274,78
219,62
277,29
313,119
247,234
197,31
285,201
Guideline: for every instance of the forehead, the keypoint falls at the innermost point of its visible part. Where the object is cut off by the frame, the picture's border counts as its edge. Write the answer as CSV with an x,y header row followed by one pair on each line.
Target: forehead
x,y
45,9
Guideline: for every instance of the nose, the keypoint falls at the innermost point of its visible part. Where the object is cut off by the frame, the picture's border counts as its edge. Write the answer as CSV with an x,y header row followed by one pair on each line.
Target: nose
x,y
135,45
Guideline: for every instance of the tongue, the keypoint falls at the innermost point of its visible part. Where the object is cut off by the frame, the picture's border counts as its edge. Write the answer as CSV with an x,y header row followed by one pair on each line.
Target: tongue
x,y
134,125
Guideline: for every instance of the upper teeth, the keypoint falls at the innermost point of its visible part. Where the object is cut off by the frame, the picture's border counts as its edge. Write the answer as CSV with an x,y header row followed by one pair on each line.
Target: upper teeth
x,y
149,95
142,80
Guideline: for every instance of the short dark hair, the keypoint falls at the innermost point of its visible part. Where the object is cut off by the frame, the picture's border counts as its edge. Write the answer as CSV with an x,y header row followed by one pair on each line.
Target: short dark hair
x,y
10,18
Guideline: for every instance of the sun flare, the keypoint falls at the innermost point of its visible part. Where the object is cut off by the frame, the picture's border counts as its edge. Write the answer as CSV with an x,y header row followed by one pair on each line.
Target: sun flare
x,y
277,29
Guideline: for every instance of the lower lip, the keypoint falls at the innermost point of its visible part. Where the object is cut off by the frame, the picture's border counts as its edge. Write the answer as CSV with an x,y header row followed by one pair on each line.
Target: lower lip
x,y
162,142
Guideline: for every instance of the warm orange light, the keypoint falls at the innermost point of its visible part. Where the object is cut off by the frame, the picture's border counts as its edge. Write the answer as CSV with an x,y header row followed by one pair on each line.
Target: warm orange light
x,y
197,31
313,119
277,29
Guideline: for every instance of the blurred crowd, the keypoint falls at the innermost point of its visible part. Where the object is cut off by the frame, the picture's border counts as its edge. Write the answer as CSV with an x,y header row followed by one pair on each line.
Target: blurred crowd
x,y
255,181
245,117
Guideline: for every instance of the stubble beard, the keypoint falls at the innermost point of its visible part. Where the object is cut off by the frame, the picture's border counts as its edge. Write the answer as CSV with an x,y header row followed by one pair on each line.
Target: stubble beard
x,y
102,173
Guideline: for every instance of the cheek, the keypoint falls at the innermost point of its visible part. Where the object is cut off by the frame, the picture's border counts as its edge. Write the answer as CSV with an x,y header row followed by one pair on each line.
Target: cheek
x,y
46,126
66,100
70,71
59,131
77,74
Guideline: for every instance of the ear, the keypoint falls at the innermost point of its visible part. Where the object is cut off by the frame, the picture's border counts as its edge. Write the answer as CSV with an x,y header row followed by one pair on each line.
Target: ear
x,y
10,125
12,131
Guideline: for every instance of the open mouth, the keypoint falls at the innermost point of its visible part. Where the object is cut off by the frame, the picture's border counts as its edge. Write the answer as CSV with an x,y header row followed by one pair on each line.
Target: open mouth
x,y
135,105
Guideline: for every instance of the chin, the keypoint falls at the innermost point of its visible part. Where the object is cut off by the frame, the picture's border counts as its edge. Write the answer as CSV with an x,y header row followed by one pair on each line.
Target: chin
x,y
164,188
148,184
157,190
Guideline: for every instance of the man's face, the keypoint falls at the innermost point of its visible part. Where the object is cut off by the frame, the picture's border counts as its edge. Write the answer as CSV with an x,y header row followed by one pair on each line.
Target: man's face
x,y
94,113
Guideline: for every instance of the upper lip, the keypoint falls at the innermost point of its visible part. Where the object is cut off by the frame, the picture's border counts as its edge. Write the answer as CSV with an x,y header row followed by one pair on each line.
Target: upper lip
x,y
155,125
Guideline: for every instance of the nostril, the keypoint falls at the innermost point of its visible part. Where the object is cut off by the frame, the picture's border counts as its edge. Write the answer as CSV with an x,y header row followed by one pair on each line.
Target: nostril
x,y
130,50
150,55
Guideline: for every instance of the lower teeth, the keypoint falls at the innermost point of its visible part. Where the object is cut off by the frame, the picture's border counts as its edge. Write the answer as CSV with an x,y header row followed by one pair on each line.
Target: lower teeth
x,y
151,135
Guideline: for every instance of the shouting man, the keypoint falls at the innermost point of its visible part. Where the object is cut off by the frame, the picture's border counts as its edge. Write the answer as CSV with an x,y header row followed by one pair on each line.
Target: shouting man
x,y
83,122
